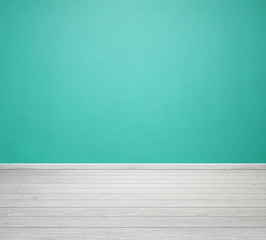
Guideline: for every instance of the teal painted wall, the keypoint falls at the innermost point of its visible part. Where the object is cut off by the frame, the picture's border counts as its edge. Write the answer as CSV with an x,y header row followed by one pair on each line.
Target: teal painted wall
x,y
128,81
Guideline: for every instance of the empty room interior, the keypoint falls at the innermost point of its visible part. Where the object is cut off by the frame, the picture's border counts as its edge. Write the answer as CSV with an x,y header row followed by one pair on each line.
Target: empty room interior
x,y
133,120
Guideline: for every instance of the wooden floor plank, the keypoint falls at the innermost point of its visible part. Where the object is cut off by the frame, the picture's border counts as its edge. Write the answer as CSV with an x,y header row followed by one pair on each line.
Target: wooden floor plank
x,y
131,203
135,233
32,189
134,212
133,222
147,180
135,185
133,196
133,173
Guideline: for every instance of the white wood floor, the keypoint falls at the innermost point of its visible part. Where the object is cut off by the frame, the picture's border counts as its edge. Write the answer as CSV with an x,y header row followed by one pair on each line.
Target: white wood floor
x,y
133,201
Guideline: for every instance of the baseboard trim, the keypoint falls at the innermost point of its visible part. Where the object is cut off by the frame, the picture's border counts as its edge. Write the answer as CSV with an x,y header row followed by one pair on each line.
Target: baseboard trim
x,y
131,166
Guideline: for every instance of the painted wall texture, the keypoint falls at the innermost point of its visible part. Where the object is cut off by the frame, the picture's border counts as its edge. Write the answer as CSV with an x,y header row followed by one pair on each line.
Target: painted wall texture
x,y
130,81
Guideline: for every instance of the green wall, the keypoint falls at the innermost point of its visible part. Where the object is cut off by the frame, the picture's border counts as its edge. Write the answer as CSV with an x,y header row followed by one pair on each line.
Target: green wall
x,y
128,81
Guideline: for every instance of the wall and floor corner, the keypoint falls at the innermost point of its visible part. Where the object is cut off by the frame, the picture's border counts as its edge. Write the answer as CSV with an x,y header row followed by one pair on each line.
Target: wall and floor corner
x,y
143,81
